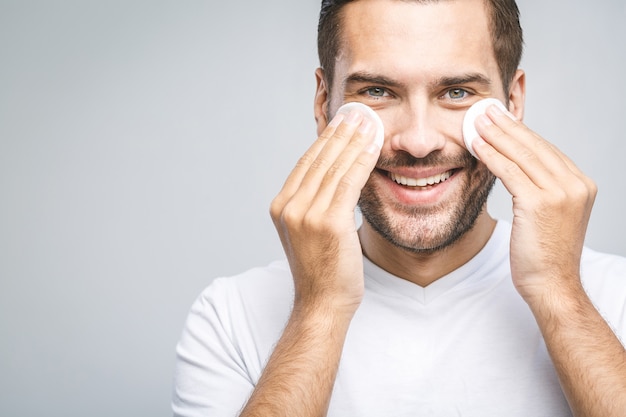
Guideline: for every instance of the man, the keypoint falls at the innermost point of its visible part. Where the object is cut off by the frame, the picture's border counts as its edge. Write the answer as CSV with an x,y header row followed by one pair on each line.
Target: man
x,y
431,307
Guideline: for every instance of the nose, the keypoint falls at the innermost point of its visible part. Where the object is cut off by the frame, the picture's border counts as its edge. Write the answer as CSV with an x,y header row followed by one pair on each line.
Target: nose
x,y
414,129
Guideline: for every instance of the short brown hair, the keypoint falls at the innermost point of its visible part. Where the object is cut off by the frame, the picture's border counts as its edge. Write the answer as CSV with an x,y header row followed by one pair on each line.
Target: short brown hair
x,y
506,35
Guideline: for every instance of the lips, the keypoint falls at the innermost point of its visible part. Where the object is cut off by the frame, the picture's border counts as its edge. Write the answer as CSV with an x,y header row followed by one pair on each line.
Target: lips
x,y
420,182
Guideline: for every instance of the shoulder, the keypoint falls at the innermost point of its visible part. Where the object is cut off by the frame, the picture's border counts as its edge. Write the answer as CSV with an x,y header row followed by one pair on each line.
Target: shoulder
x,y
253,289
255,303
243,314
228,336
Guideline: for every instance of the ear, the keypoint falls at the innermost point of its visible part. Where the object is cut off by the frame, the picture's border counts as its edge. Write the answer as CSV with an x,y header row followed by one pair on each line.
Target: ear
x,y
517,94
321,101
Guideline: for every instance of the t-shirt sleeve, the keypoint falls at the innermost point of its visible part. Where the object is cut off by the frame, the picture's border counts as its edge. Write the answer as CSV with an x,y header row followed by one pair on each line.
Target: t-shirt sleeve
x,y
210,377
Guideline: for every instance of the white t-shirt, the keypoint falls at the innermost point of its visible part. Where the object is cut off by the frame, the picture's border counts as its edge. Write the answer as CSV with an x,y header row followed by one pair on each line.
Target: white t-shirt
x,y
466,345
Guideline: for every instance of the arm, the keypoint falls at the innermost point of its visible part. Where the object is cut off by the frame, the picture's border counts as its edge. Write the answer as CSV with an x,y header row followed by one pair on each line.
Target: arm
x,y
590,360
299,376
314,216
552,202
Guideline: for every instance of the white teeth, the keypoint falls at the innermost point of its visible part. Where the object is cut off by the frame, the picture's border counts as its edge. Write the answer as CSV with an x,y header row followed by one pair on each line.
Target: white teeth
x,y
420,182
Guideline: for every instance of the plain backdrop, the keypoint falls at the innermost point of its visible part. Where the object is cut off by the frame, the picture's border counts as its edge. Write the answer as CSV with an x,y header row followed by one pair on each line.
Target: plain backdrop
x,y
141,142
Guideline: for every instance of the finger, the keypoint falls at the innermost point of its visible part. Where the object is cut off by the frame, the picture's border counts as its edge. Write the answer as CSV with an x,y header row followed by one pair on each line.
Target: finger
x,y
304,183
558,169
567,161
528,159
363,137
293,181
535,157
513,178
590,187
327,157
349,186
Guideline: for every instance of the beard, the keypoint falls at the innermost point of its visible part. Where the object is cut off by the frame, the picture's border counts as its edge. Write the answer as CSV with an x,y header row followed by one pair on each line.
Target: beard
x,y
428,229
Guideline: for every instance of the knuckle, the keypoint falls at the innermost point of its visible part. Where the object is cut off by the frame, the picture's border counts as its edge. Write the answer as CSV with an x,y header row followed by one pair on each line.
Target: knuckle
x,y
558,197
305,160
335,170
343,132
345,184
309,222
363,163
314,224
320,163
511,168
499,135
527,155
290,215
276,207
592,187
581,192
583,189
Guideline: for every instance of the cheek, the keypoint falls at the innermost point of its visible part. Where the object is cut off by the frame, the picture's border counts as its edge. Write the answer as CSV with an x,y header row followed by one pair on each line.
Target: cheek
x,y
480,177
452,125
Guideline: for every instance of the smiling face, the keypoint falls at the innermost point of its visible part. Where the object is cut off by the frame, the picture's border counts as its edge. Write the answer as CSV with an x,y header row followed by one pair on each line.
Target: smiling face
x,y
420,66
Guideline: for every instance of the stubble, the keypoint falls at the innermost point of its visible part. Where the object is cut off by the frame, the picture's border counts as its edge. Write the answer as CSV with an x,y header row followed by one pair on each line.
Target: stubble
x,y
428,229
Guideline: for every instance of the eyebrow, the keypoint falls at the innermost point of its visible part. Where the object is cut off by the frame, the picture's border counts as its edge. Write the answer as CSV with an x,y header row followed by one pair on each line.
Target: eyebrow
x,y
473,77
369,78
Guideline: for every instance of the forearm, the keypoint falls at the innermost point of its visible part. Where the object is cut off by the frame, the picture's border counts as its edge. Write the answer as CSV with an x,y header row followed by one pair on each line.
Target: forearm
x,y
299,377
314,217
588,357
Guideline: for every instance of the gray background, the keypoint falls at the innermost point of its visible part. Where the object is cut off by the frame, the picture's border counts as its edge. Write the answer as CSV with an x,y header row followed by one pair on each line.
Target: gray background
x,y
142,141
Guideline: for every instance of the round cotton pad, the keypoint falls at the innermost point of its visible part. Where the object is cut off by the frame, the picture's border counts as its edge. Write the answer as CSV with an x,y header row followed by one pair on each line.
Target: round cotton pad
x,y
469,127
369,113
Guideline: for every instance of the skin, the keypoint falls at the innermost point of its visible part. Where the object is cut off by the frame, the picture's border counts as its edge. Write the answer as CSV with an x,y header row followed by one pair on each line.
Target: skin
x,y
404,65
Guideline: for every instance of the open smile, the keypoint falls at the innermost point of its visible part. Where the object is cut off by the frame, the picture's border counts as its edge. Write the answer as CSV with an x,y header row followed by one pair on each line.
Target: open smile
x,y
420,182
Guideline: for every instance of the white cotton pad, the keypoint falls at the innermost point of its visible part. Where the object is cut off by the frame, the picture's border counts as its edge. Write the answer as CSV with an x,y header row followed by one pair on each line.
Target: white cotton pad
x,y
469,122
369,113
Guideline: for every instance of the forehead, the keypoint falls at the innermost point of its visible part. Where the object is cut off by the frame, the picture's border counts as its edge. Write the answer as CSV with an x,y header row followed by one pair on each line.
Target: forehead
x,y
416,39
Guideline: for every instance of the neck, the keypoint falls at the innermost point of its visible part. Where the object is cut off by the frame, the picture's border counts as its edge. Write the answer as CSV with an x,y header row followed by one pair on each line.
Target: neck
x,y
425,268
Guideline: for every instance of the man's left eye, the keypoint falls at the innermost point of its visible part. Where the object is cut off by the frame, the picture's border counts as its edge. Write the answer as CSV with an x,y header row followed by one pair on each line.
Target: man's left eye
x,y
457,93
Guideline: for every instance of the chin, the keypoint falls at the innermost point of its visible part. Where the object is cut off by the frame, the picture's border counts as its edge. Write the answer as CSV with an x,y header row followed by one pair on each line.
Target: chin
x,y
426,229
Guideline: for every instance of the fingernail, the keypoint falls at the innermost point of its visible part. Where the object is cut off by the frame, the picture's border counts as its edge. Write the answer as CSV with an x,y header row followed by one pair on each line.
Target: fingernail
x,y
366,126
495,110
484,120
336,121
499,111
354,117
478,142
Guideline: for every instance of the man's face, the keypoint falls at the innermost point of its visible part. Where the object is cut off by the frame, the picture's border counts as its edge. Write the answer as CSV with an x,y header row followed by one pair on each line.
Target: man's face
x,y
420,67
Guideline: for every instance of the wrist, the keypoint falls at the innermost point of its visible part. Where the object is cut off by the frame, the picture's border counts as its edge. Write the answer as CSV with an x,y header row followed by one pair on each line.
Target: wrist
x,y
326,304
329,317
559,298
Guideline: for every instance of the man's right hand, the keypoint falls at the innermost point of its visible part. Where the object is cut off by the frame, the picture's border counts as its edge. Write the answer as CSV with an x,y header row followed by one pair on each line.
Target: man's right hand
x,y
314,215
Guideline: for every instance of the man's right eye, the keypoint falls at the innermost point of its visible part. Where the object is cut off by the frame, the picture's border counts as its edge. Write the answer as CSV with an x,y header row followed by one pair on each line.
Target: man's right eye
x,y
376,92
